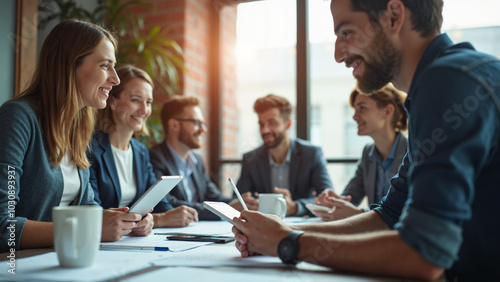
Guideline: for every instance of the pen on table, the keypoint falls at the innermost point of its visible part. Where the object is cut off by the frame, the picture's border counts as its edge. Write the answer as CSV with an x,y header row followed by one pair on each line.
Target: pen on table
x,y
106,247
237,194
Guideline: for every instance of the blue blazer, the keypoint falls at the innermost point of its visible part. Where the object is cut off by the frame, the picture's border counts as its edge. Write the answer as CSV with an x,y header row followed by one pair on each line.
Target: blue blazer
x,y
164,164
307,173
104,176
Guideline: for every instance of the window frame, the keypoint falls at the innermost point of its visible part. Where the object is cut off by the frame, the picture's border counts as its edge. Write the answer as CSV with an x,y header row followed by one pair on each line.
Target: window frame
x,y
303,83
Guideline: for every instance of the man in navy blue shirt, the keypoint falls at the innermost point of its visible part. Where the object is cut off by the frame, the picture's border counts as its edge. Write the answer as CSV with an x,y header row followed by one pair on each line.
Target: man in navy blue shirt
x,y
439,213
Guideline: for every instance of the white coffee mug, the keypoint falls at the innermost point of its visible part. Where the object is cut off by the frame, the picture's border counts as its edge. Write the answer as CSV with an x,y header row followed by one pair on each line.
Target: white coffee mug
x,y
77,234
272,203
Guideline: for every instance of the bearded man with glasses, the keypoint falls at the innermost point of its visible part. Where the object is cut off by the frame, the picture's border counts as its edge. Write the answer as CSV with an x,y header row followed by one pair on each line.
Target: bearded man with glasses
x,y
184,126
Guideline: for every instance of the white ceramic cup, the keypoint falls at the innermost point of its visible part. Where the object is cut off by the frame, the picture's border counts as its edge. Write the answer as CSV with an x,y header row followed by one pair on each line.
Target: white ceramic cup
x,y
272,203
77,234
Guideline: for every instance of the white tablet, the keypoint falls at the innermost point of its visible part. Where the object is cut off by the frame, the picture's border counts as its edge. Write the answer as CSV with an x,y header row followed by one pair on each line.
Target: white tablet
x,y
223,210
314,208
155,194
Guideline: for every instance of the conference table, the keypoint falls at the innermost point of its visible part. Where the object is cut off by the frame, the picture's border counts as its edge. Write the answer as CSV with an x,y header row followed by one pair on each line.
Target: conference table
x,y
130,259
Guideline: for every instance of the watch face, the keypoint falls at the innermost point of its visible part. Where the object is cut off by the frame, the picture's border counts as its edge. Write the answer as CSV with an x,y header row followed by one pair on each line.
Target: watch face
x,y
287,250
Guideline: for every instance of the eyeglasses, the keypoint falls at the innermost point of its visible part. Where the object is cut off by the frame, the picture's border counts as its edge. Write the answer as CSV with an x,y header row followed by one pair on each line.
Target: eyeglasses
x,y
198,123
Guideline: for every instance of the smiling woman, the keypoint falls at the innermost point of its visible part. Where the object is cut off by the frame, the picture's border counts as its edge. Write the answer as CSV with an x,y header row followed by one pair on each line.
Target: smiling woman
x,y
96,75
42,146
121,172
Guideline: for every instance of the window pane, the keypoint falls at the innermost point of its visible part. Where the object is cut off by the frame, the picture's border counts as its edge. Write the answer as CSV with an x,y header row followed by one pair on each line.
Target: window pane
x,y
266,63
332,126
226,171
478,23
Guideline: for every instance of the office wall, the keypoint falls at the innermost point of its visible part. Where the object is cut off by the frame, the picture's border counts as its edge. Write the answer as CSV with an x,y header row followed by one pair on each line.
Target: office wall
x,y
190,24
88,5
7,49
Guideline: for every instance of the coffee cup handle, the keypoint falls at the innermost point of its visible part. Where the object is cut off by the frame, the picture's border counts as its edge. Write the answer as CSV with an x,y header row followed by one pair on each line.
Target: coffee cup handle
x,y
69,242
282,204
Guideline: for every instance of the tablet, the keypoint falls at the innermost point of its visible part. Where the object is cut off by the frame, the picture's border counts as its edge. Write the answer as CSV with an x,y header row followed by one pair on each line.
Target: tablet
x,y
313,208
223,210
155,194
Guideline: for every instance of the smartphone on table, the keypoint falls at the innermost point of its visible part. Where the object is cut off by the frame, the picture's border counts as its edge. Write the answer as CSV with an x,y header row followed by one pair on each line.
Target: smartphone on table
x,y
201,238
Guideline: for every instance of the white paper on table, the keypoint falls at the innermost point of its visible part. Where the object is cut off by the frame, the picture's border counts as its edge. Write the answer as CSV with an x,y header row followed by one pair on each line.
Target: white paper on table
x,y
248,274
296,220
218,256
212,227
152,241
108,265
205,275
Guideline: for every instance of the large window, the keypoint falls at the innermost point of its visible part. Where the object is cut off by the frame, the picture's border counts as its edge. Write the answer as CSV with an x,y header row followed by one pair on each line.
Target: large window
x,y
331,83
265,50
266,63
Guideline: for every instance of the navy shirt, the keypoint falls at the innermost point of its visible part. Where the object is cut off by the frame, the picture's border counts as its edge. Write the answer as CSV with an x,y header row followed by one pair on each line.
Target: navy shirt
x,y
443,202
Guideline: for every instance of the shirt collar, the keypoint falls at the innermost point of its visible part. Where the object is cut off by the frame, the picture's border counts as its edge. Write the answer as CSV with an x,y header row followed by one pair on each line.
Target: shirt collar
x,y
374,154
180,162
287,159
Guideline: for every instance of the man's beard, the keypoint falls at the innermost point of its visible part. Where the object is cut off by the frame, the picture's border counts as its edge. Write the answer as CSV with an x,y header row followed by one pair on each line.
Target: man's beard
x,y
188,139
382,65
278,138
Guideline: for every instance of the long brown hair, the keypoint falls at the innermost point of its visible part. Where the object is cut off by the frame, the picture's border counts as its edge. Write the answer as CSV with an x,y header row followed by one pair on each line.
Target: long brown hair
x,y
54,91
126,73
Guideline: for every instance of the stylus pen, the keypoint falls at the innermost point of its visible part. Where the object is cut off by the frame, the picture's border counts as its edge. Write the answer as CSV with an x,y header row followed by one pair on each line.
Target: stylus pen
x,y
237,194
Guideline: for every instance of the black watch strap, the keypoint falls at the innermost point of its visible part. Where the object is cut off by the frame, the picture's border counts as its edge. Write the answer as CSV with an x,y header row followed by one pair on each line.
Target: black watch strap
x,y
288,248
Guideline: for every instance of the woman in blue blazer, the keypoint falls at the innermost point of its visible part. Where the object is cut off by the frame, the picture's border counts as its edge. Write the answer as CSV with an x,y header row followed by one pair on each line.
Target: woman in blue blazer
x,y
381,116
120,169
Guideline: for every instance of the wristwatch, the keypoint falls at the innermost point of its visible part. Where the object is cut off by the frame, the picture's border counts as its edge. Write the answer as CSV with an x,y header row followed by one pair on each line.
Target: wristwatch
x,y
288,248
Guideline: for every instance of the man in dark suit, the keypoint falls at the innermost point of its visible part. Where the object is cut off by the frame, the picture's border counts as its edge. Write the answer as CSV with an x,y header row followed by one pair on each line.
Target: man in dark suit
x,y
184,124
292,167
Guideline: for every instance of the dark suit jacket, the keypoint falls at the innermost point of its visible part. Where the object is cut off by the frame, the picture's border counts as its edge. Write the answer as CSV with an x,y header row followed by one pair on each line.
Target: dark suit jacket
x,y
164,164
307,173
364,181
104,176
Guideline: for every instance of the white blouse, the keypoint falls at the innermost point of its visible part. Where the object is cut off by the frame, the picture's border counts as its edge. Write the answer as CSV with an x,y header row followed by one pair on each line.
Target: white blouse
x,y
71,180
124,161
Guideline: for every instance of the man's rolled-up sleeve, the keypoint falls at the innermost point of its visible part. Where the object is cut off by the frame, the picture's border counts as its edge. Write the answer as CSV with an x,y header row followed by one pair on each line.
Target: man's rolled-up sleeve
x,y
436,239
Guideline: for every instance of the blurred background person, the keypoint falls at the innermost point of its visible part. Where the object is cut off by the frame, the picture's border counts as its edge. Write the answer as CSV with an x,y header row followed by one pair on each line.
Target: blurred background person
x,y
293,167
184,125
381,116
